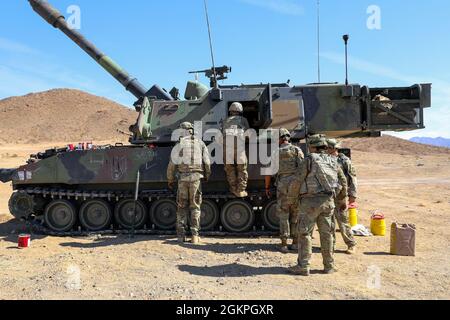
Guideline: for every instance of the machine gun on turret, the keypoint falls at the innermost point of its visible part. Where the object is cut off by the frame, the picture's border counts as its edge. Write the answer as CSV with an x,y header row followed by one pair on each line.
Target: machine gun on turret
x,y
215,74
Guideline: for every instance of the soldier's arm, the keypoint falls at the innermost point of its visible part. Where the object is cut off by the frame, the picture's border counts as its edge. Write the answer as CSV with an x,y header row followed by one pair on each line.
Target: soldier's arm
x,y
245,123
342,195
300,157
304,169
206,161
353,181
171,171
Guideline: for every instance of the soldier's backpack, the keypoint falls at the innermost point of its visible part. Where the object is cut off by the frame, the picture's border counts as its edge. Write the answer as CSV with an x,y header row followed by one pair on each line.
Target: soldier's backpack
x,y
322,175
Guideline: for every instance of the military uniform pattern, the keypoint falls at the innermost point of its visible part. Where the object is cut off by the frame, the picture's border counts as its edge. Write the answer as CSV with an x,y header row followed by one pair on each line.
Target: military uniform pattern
x,y
341,216
288,206
341,219
289,158
235,158
317,210
189,201
317,205
189,175
350,174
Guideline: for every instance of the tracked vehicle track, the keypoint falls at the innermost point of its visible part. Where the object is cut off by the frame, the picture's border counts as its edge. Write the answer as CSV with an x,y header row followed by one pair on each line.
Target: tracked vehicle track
x,y
66,212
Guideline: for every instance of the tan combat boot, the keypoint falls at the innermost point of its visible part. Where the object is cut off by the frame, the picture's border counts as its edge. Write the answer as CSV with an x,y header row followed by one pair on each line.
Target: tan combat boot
x,y
330,270
351,250
195,240
242,194
299,271
284,246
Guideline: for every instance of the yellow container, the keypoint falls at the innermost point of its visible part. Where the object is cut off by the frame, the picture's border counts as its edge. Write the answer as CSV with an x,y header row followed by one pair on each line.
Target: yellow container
x,y
378,225
353,215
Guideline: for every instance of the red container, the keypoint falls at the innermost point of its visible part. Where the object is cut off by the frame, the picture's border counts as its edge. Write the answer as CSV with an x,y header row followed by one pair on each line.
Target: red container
x,y
24,241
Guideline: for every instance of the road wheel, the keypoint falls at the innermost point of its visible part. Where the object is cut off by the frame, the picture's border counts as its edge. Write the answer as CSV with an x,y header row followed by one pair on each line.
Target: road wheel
x,y
129,212
270,217
21,205
95,215
163,213
210,215
60,215
237,216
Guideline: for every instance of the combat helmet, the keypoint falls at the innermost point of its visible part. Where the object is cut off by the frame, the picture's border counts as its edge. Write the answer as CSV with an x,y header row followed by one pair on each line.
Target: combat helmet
x,y
317,141
236,107
284,133
187,126
333,144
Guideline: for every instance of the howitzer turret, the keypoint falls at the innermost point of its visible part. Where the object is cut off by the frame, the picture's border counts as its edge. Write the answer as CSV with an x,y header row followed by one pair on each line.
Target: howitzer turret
x,y
57,20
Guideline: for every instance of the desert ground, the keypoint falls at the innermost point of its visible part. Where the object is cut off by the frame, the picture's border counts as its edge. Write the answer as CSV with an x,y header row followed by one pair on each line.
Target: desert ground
x,y
409,184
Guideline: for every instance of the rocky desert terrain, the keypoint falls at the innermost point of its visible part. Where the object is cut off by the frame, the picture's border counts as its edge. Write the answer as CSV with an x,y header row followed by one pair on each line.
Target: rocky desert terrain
x,y
409,183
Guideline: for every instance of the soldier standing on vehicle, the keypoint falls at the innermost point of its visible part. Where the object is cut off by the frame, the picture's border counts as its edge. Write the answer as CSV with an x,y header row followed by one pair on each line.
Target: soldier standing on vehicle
x,y
235,158
189,164
322,180
289,158
341,216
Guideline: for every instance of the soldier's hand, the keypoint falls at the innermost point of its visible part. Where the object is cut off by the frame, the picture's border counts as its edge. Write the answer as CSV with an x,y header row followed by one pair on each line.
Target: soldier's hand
x,y
171,185
351,200
268,193
343,206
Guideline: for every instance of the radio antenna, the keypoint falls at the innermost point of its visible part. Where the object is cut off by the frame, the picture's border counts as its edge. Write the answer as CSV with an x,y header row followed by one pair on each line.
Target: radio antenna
x,y
318,40
211,44
346,37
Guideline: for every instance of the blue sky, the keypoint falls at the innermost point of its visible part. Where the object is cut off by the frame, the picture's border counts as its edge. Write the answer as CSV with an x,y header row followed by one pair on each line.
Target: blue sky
x,y
263,40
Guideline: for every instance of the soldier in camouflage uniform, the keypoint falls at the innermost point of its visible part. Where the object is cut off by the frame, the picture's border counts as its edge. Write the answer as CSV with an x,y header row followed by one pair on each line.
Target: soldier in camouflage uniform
x,y
321,181
288,158
235,159
189,166
341,216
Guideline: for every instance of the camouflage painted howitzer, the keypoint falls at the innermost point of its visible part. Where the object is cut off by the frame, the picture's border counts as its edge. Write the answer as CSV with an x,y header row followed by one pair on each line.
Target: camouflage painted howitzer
x,y
93,189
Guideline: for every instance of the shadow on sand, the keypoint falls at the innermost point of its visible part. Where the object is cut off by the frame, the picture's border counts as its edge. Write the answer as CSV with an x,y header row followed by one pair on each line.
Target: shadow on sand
x,y
236,270
228,248
377,254
111,240
11,229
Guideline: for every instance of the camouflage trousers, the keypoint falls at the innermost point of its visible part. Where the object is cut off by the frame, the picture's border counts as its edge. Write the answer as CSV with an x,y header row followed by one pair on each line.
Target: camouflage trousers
x,y
317,210
288,190
341,218
189,201
237,176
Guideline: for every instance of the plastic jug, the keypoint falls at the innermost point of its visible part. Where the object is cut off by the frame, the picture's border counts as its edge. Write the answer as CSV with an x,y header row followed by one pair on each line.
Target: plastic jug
x,y
353,214
378,224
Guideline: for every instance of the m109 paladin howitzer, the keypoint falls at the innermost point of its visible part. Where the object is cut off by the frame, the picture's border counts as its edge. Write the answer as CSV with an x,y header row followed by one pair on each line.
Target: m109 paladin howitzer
x,y
93,189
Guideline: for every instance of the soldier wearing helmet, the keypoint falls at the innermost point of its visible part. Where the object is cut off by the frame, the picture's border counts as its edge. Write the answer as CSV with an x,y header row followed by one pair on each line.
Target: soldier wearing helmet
x,y
322,180
189,163
341,216
235,158
287,159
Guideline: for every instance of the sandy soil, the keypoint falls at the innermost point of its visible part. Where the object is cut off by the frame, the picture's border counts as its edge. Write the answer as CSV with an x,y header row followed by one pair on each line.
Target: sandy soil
x,y
406,187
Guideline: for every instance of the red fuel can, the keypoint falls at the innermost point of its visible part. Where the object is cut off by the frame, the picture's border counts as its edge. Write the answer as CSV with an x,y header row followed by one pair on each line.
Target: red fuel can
x,y
24,241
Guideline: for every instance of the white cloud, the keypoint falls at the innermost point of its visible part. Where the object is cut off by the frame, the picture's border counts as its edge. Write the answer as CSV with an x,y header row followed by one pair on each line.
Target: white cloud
x,y
436,118
288,7
15,47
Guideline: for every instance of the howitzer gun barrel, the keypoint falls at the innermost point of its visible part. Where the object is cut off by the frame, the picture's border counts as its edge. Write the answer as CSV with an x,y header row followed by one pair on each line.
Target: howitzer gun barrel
x,y
6,175
57,20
